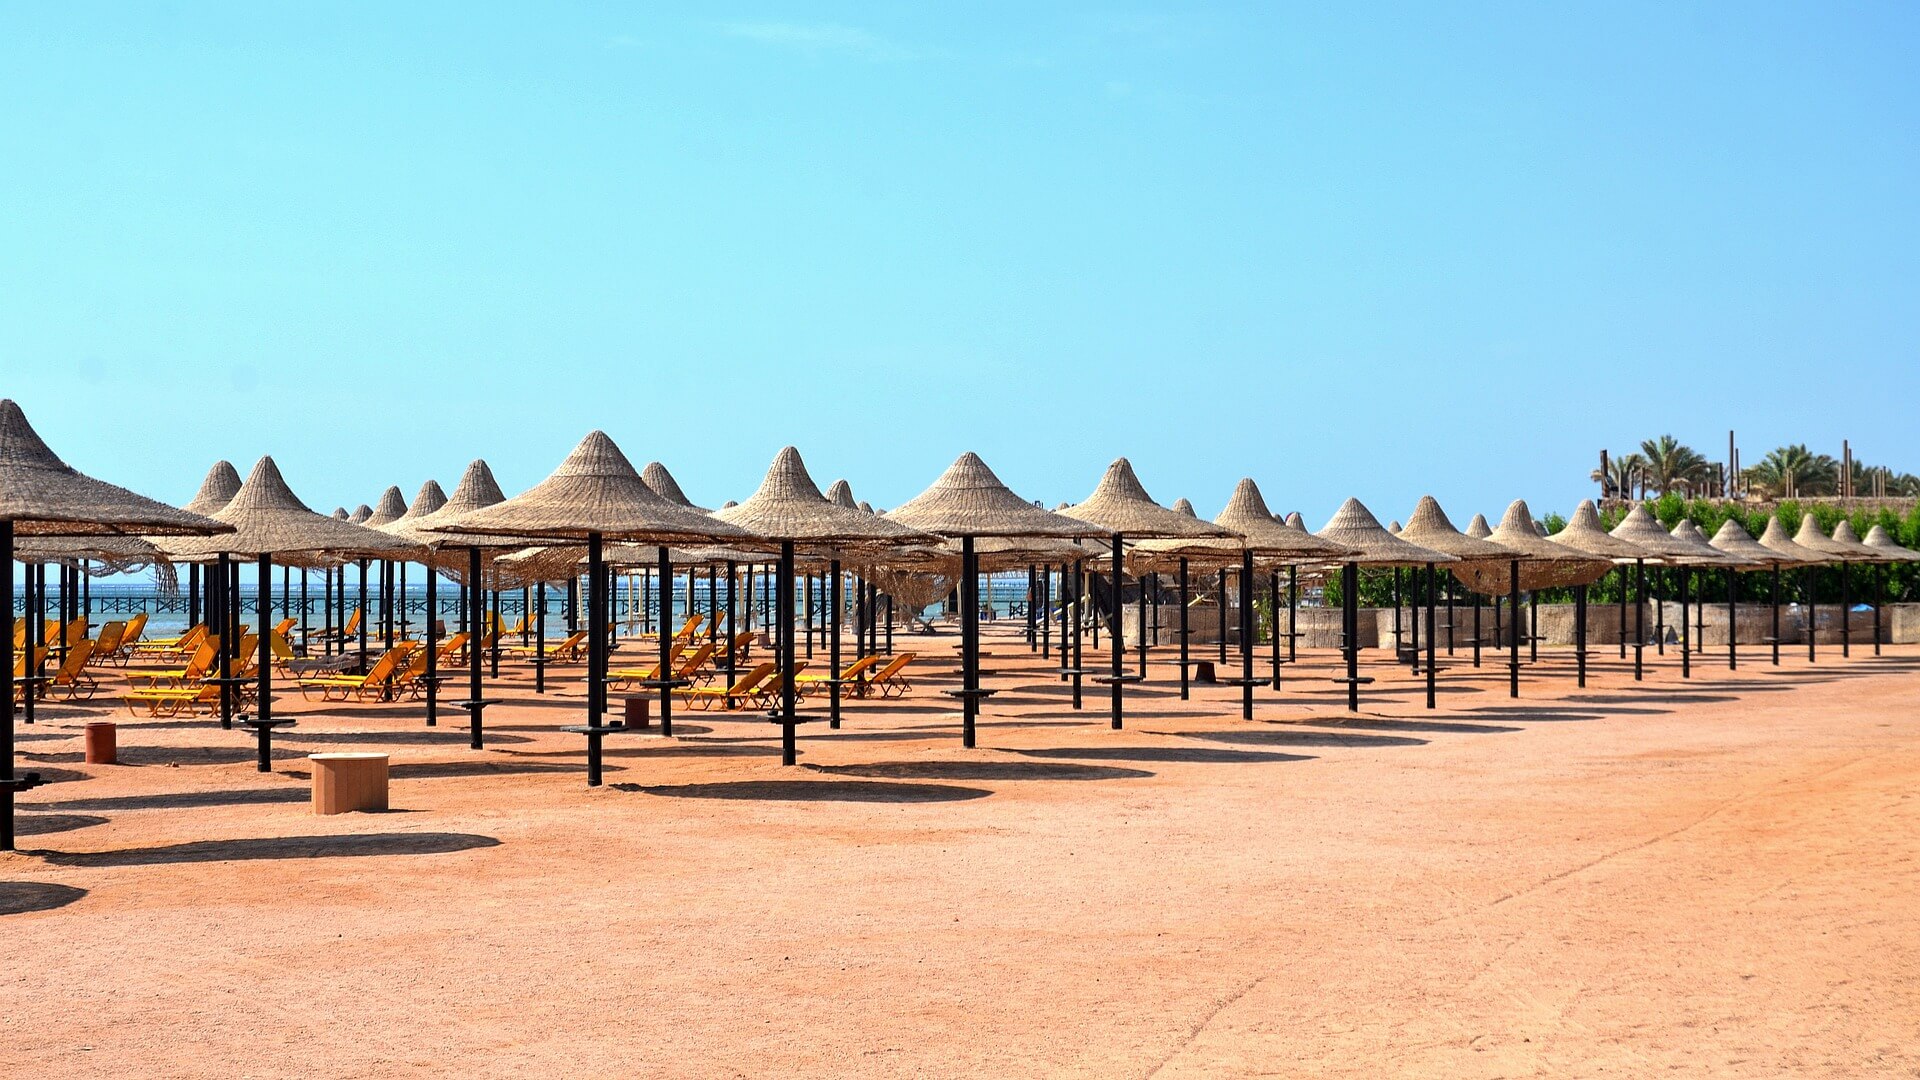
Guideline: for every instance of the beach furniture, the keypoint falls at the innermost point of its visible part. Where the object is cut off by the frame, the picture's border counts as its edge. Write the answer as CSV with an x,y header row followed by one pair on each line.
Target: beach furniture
x,y
745,688
365,687
346,783
891,680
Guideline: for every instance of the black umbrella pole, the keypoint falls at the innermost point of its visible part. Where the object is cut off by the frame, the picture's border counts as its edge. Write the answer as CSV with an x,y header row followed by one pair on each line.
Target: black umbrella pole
x,y
833,643
784,606
1246,634
1513,628
265,706
1350,630
969,638
1186,678
1580,633
1119,657
433,645
7,781
1431,603
476,619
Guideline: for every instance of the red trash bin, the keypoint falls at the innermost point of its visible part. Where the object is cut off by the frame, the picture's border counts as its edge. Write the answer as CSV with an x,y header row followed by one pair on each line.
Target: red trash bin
x,y
102,748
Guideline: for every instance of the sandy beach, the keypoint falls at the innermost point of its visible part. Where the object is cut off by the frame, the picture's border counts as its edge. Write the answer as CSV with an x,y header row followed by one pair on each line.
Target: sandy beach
x,y
1713,877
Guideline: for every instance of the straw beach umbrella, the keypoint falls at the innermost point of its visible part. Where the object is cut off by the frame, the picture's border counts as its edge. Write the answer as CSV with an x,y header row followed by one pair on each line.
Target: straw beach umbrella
x,y
968,503
221,482
1810,537
270,522
1354,527
1890,552
594,495
1583,533
360,514
1775,539
1429,527
1733,540
1702,555
1642,530
42,496
789,508
1256,533
1537,563
1121,506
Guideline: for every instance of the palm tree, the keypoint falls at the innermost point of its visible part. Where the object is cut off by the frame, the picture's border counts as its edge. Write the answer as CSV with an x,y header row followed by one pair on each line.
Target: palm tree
x,y
1622,473
1672,465
1790,471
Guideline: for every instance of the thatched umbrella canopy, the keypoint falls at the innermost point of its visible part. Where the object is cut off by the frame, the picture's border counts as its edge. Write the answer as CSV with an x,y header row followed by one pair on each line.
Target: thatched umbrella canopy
x,y
1775,539
1253,528
361,514
391,507
216,490
100,556
1706,554
788,507
969,500
1643,530
1120,505
1183,506
1478,528
840,493
1544,563
42,496
1583,533
1732,539
1879,539
428,500
1429,527
595,492
1355,528
595,495
340,514
1844,535
476,490
1811,538
269,519
662,483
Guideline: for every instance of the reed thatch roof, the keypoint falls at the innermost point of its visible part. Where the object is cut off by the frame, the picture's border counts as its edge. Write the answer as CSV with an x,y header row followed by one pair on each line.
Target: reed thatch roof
x,y
1429,527
269,519
596,490
1355,528
216,490
969,500
391,508
1811,538
1880,539
662,483
789,506
44,496
1775,539
1732,539
1121,505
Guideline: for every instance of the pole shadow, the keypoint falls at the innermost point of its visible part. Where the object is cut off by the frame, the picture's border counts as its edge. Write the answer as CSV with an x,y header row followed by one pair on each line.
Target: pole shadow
x,y
278,847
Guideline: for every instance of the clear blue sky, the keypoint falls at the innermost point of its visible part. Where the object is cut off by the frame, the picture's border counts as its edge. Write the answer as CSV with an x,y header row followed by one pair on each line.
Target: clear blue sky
x,y
1344,249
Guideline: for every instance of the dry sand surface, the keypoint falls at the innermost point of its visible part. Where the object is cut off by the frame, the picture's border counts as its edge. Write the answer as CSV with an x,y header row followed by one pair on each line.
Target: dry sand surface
x,y
1701,878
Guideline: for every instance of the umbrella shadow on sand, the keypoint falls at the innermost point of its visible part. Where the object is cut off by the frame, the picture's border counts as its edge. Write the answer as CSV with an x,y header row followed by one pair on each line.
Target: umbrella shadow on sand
x,y
278,847
982,770
20,897
181,800
1282,737
862,791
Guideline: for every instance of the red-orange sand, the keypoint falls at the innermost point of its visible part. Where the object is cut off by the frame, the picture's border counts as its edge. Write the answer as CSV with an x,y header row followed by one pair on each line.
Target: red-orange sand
x,y
1714,877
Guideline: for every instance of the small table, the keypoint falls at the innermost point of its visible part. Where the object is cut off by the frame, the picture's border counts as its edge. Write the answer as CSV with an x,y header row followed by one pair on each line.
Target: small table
x,y
344,783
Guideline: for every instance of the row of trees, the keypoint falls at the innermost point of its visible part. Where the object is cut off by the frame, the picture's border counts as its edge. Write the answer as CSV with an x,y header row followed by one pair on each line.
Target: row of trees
x,y
1667,466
